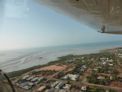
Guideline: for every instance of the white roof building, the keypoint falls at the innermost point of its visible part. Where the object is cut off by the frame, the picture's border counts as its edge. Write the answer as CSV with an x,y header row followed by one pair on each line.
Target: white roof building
x,y
83,88
71,77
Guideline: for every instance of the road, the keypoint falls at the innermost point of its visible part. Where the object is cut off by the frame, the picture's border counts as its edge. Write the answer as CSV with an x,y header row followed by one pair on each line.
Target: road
x,y
106,87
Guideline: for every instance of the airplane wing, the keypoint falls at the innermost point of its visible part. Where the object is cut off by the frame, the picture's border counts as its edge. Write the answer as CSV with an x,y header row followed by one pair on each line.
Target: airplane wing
x,y
103,15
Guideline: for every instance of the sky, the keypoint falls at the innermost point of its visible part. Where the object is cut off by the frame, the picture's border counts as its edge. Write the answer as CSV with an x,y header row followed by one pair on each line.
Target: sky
x,y
28,24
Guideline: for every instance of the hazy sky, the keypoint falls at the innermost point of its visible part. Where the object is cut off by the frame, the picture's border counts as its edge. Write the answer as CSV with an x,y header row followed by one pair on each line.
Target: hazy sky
x,y
25,24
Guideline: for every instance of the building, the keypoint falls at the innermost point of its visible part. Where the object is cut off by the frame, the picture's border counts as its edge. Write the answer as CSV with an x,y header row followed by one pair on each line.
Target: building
x,y
73,77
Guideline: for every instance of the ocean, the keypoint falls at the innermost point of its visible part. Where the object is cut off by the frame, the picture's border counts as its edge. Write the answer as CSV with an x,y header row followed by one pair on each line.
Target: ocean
x,y
25,58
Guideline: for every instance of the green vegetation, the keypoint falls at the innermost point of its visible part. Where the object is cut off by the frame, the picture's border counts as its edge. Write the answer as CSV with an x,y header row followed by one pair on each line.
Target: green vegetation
x,y
20,72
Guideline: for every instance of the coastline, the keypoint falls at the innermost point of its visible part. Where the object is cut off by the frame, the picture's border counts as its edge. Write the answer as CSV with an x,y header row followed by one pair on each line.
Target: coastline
x,y
24,59
23,71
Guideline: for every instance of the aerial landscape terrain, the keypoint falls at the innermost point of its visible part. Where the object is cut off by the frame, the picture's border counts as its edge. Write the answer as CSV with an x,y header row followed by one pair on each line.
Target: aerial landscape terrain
x,y
60,46
98,72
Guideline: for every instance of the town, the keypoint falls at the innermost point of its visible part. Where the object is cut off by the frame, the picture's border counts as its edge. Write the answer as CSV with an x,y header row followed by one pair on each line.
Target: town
x,y
100,72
